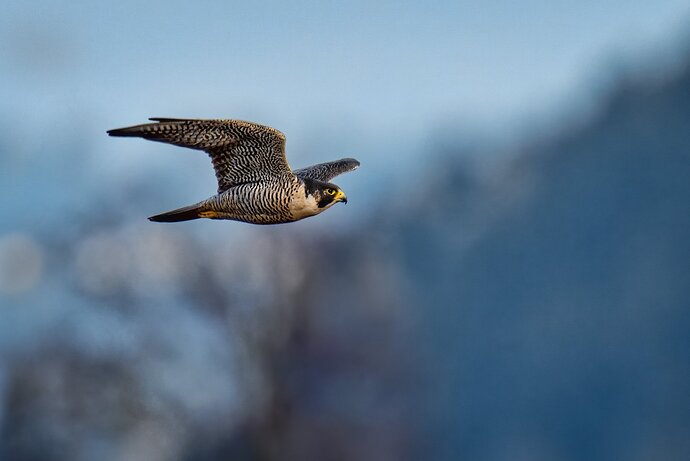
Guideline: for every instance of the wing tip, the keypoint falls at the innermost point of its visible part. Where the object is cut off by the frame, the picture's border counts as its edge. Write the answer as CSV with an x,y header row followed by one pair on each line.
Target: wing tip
x,y
121,132
353,161
168,119
141,130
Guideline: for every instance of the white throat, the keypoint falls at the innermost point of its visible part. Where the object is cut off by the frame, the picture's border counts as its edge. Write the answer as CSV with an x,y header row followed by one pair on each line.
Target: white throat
x,y
303,207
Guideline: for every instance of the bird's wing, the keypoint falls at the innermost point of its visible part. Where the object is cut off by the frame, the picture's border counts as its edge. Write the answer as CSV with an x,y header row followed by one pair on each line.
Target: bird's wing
x,y
327,171
241,152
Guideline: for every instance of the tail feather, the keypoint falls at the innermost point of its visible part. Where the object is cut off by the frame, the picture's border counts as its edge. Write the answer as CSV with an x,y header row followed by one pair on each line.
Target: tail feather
x,y
181,214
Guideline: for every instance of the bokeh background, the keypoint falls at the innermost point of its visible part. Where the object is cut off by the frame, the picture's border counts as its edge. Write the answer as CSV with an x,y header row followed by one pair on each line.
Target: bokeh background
x,y
509,281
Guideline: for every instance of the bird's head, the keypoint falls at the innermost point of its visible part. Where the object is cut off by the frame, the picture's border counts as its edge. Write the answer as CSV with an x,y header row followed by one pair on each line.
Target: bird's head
x,y
324,193
329,195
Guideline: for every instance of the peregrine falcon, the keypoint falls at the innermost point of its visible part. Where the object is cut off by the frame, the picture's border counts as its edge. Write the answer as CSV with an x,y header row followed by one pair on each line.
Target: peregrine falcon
x,y
255,182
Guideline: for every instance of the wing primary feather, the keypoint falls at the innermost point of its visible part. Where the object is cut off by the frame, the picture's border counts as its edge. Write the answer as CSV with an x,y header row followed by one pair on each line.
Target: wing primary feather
x,y
329,170
240,151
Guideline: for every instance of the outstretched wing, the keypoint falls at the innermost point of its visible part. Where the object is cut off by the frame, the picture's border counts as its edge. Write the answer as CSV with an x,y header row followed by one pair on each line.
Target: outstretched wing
x,y
241,152
326,171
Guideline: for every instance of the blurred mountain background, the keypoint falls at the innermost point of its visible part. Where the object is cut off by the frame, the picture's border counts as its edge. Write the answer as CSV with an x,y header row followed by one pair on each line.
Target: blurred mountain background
x,y
509,281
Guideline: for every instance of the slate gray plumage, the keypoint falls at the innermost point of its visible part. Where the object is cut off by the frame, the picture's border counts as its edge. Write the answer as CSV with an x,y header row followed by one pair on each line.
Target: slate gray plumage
x,y
255,182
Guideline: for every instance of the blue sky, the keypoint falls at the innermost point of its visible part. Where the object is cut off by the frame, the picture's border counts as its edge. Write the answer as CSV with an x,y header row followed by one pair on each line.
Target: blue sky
x,y
386,63
340,77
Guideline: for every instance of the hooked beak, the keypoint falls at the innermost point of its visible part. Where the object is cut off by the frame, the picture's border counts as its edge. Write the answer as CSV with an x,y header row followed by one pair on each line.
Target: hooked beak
x,y
340,197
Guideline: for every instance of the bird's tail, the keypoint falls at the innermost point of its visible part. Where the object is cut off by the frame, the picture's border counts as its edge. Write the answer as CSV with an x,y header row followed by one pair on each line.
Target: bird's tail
x,y
181,214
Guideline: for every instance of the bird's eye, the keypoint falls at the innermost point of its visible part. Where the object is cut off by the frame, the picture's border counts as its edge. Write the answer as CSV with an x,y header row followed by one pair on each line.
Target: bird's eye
x,y
330,191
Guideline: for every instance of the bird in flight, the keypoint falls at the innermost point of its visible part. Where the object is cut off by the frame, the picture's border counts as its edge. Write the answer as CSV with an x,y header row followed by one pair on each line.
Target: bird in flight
x,y
255,182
